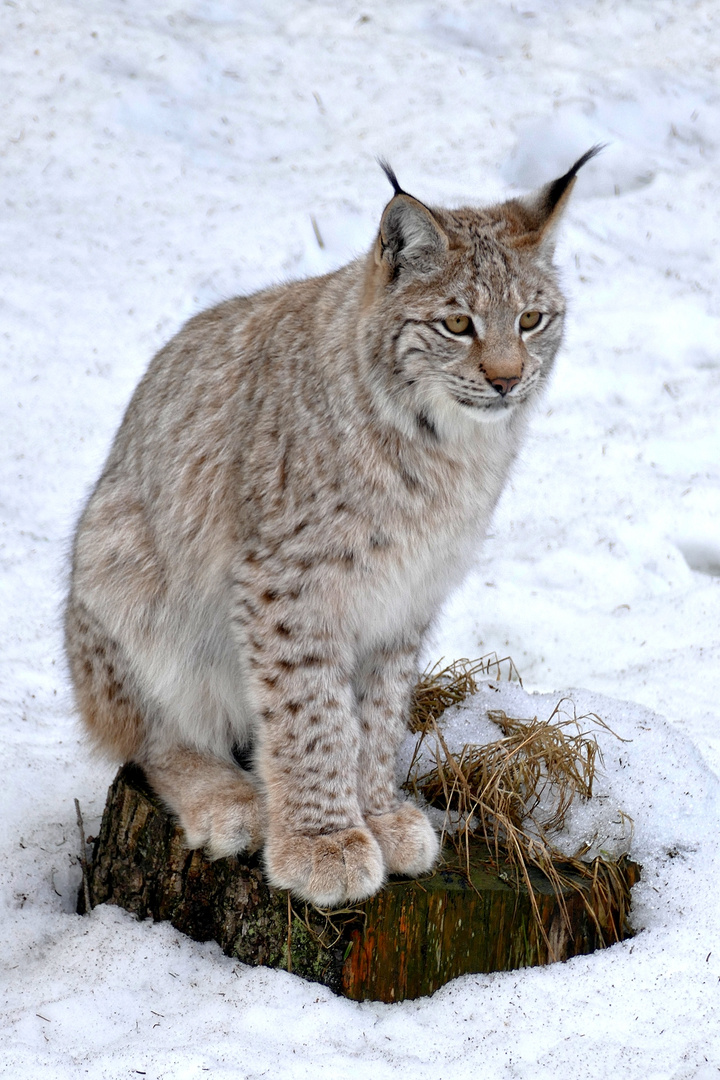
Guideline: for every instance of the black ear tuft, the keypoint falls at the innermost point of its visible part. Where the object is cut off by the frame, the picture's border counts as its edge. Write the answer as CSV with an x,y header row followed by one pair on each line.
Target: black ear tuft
x,y
532,220
557,188
390,173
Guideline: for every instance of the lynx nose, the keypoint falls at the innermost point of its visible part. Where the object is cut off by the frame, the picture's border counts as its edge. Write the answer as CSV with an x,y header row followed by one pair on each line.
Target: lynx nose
x,y
503,386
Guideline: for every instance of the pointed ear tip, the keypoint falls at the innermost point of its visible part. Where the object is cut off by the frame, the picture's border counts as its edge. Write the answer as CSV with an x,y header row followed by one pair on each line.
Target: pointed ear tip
x,y
557,191
587,156
390,174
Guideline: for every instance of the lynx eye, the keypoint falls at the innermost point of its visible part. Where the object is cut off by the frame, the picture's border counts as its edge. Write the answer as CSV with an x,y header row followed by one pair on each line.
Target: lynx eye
x,y
530,319
457,324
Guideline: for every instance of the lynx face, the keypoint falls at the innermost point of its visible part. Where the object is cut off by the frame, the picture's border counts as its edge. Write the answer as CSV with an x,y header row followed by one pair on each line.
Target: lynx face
x,y
487,342
470,300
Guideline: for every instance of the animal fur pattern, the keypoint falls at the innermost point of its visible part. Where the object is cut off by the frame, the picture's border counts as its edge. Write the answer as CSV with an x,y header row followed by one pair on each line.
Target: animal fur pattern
x,y
300,479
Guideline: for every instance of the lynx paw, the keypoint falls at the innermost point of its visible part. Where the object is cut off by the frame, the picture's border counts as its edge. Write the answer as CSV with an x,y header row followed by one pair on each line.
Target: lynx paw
x,y
222,816
224,830
326,870
407,840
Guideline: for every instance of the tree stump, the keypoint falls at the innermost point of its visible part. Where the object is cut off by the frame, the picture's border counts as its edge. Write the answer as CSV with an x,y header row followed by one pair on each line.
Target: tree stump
x,y
404,942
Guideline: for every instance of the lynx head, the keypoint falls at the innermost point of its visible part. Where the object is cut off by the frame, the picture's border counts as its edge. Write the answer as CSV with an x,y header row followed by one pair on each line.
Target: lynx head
x,y
470,300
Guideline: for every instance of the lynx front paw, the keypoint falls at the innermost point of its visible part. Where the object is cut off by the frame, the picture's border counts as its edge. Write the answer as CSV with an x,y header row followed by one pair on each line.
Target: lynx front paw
x,y
326,870
407,840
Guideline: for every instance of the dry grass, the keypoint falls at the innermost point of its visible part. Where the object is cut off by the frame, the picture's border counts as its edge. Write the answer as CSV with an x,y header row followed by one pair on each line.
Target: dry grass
x,y
515,793
440,687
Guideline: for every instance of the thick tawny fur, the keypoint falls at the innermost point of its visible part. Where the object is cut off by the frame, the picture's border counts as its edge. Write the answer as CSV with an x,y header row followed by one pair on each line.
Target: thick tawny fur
x,y
300,478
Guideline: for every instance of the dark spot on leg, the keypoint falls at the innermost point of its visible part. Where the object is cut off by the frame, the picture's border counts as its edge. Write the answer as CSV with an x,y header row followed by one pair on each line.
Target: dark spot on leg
x,y
306,563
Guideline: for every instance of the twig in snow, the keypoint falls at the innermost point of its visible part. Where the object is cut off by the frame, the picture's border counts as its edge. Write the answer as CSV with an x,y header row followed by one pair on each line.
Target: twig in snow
x,y
289,934
83,860
316,230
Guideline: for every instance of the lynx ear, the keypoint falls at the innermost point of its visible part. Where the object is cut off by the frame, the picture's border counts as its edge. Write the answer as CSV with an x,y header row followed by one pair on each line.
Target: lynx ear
x,y
410,235
533,220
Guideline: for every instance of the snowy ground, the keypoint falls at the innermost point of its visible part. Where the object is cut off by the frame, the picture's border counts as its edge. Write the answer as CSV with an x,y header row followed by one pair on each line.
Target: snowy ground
x,y
155,160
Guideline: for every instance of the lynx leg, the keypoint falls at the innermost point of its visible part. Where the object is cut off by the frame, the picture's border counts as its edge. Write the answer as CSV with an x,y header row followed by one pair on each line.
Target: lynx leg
x,y
215,802
318,845
407,839
306,757
104,690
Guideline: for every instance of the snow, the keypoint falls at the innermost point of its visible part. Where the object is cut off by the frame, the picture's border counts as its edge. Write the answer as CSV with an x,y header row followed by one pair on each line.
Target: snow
x,y
157,159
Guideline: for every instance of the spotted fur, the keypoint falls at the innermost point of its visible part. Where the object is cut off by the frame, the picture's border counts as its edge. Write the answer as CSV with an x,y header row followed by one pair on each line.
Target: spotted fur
x,y
300,479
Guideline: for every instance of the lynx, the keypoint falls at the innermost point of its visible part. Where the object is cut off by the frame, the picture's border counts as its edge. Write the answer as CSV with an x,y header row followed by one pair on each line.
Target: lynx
x,y
300,479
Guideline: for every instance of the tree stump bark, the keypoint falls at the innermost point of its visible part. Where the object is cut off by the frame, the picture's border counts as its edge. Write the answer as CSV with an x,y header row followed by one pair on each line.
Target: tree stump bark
x,y
404,942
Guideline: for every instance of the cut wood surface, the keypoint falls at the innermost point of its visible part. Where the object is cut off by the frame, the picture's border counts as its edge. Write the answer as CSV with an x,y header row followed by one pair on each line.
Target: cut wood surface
x,y
404,942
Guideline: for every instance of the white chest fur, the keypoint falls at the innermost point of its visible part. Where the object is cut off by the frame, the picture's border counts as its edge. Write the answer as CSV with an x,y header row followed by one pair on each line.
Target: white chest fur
x,y
406,587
